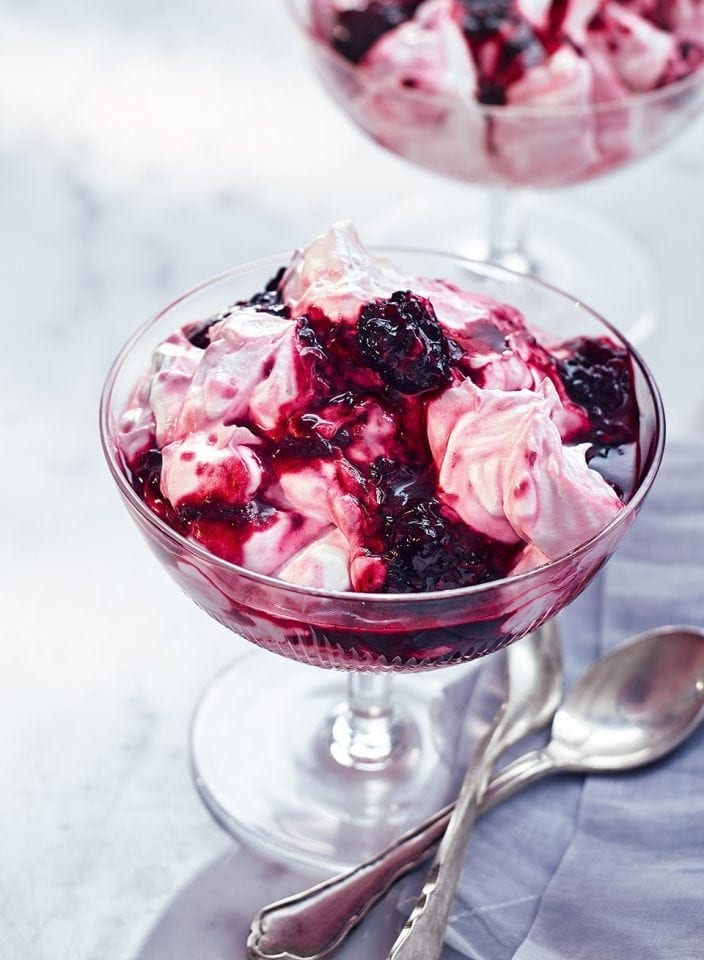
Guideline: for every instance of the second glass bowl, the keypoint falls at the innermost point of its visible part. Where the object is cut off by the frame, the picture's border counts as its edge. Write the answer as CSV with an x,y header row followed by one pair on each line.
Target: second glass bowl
x,y
514,153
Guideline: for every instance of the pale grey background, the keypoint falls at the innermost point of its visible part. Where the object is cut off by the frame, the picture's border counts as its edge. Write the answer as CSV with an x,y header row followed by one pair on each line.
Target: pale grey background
x,y
144,146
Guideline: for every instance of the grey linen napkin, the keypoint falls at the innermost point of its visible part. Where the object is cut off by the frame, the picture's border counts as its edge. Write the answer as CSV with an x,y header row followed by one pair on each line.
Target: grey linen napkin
x,y
607,867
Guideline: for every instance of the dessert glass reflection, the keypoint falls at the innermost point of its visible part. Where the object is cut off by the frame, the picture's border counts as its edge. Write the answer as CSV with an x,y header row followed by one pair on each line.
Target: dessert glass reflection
x,y
517,97
279,755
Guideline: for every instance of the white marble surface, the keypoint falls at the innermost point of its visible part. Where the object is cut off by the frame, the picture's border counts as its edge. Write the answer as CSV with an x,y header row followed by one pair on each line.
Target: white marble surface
x,y
144,146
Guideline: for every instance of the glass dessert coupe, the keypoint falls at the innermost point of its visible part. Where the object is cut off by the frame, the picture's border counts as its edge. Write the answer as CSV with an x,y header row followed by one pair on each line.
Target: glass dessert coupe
x,y
281,756
513,154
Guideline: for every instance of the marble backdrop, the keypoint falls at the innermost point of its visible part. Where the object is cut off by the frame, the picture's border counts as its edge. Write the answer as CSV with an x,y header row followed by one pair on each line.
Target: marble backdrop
x,y
144,146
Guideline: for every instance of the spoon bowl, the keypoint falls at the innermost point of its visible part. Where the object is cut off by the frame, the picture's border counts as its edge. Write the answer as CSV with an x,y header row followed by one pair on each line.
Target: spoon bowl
x,y
630,708
635,705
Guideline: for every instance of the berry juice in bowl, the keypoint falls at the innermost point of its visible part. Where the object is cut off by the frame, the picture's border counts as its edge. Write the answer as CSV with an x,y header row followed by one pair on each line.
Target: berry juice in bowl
x,y
517,97
382,463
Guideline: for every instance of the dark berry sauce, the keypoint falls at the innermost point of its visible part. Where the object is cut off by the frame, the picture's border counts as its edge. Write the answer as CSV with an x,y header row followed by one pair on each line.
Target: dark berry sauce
x,y
505,44
618,465
598,376
689,59
356,31
222,527
374,375
426,545
145,476
503,41
268,299
402,339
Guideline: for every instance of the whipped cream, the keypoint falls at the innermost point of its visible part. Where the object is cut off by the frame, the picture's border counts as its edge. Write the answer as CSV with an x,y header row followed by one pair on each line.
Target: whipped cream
x,y
355,428
426,68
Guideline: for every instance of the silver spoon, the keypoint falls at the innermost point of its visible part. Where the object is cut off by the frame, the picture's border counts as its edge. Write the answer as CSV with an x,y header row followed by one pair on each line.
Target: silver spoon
x,y
630,708
312,924
423,934
636,703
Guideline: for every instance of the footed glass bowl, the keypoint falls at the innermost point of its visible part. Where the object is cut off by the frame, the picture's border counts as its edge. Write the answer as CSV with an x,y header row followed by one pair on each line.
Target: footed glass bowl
x,y
514,153
279,754
502,145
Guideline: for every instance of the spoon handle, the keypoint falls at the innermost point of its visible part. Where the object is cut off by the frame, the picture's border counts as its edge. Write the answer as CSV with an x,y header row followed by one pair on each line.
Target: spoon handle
x,y
312,924
423,935
518,774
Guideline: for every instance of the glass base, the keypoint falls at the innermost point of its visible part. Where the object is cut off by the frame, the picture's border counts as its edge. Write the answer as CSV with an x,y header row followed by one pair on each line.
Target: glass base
x,y
264,760
572,247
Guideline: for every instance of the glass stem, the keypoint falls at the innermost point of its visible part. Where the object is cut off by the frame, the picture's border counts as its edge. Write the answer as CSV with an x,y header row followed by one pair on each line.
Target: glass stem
x,y
506,242
365,732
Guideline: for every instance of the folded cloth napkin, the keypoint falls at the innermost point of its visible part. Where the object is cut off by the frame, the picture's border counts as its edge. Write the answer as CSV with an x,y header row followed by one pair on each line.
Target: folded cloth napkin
x,y
605,867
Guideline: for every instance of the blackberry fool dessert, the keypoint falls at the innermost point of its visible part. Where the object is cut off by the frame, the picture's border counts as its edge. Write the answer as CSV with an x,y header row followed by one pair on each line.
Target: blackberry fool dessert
x,y
424,78
351,428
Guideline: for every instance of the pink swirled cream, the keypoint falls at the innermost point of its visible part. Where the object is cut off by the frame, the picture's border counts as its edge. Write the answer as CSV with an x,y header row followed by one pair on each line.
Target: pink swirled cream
x,y
354,428
424,78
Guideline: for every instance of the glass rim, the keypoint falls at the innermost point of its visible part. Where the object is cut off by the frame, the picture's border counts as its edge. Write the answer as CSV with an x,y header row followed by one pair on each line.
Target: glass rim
x,y
108,445
507,111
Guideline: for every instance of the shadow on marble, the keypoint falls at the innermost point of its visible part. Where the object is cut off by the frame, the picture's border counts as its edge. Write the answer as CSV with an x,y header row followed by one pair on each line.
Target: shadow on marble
x,y
209,919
